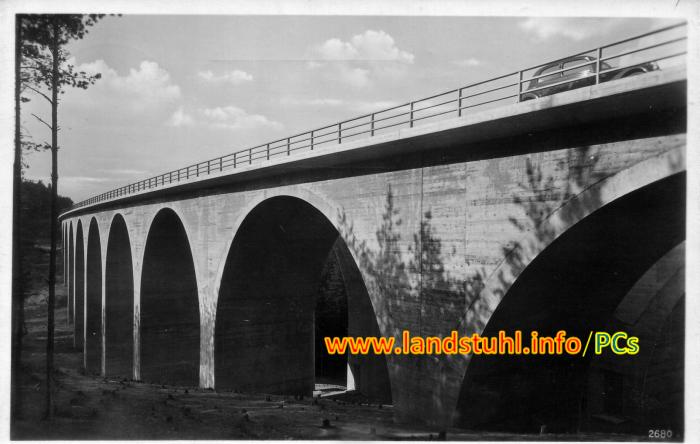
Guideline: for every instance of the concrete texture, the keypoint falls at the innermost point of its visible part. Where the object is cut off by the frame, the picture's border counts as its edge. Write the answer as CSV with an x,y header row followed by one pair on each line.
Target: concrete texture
x,y
224,277
93,301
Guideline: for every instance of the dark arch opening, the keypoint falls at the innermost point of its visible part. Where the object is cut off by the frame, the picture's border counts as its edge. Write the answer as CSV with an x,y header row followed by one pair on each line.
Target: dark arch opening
x,y
93,301
289,281
71,277
575,284
169,305
119,302
79,289
648,390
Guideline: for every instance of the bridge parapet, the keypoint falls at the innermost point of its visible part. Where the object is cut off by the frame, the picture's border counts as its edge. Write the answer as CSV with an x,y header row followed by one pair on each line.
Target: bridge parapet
x,y
635,55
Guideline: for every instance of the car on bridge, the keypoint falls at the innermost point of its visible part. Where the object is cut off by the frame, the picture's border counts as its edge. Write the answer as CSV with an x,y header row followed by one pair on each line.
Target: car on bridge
x,y
581,74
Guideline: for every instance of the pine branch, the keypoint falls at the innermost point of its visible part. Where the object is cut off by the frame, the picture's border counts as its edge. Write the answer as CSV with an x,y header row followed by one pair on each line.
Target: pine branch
x,y
40,93
42,121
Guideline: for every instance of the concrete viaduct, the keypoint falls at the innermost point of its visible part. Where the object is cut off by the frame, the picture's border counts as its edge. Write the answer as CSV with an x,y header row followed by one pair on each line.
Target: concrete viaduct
x,y
566,212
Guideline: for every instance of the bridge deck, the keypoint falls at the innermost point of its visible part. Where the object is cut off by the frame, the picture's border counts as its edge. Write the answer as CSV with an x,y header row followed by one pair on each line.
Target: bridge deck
x,y
657,90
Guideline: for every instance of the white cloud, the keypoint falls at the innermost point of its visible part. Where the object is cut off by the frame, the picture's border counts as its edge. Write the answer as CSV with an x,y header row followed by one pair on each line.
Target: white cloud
x,y
357,77
235,77
467,63
149,82
180,118
145,92
368,46
572,28
225,117
357,62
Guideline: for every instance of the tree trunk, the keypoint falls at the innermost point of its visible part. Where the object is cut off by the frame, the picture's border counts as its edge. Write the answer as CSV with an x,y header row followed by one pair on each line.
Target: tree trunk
x,y
17,290
54,219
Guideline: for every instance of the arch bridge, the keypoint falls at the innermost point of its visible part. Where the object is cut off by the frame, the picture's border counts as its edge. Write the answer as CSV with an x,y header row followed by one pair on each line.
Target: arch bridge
x,y
562,213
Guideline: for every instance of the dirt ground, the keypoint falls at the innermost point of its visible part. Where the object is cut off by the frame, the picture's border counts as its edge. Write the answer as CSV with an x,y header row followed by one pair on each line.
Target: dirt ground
x,y
92,407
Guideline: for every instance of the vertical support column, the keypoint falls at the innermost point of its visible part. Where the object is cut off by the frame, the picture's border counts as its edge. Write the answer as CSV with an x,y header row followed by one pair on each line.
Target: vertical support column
x,y
137,265
520,84
103,313
459,103
86,235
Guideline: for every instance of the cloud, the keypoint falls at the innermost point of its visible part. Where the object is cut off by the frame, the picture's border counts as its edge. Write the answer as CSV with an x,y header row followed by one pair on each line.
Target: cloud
x,y
467,63
148,82
226,117
357,62
144,93
357,77
235,77
180,118
572,28
368,46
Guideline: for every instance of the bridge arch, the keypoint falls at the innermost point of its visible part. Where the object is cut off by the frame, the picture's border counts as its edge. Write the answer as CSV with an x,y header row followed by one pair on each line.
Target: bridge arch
x,y
93,300
71,275
79,290
169,304
615,230
119,301
270,312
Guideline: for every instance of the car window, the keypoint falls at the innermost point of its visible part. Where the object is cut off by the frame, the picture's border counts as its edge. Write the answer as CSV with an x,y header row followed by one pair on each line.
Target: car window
x,y
580,70
547,70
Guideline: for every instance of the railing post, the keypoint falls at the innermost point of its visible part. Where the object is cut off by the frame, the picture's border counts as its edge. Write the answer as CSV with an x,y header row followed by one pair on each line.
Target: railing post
x,y
267,151
208,167
459,103
312,140
234,159
288,147
520,84
410,123
221,164
187,172
250,156
597,65
371,123
340,132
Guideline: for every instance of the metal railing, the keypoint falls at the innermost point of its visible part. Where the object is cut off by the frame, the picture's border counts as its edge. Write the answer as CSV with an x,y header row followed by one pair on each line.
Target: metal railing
x,y
508,88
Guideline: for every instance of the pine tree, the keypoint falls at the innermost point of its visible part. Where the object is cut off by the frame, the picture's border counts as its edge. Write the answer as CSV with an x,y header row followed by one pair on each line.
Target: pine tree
x,y
43,69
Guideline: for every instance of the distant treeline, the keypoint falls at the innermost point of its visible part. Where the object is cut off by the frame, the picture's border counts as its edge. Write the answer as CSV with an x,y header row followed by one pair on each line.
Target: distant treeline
x,y
36,212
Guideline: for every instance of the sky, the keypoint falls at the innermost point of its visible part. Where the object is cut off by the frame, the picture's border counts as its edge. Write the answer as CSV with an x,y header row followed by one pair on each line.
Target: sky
x,y
176,90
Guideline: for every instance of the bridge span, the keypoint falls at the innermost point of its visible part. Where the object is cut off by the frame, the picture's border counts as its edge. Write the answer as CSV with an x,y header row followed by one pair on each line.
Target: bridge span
x,y
561,213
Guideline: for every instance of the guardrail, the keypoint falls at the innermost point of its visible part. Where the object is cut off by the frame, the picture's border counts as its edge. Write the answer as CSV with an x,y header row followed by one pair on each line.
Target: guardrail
x,y
573,71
